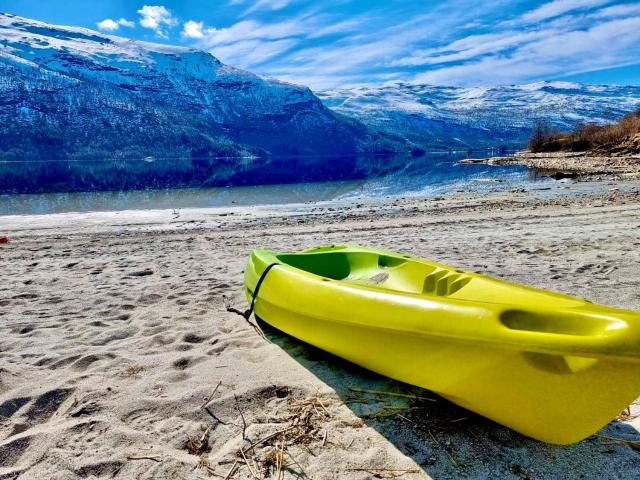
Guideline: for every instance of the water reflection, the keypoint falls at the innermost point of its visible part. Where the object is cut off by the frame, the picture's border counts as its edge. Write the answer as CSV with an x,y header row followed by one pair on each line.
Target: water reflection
x,y
61,186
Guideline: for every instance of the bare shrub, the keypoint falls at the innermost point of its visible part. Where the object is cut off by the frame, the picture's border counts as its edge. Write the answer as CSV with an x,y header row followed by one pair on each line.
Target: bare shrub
x,y
585,136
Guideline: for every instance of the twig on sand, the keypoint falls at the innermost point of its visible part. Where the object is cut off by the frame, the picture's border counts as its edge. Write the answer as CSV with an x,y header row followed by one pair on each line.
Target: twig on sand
x,y
268,437
246,315
304,474
154,459
231,470
461,419
208,400
206,409
634,444
392,394
253,474
244,423
627,415
389,472
279,458
210,397
451,459
229,308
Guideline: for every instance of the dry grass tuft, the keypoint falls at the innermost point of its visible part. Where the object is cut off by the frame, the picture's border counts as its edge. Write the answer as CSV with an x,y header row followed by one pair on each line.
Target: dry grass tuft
x,y
133,370
620,137
270,456
198,445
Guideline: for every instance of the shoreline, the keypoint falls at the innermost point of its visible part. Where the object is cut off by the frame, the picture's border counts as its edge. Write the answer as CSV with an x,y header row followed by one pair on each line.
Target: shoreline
x,y
572,164
114,336
596,189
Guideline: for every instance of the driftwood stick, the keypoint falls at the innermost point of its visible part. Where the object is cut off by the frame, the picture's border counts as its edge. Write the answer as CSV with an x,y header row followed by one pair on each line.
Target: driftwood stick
x,y
210,397
253,474
268,437
244,423
154,459
392,394
206,409
230,472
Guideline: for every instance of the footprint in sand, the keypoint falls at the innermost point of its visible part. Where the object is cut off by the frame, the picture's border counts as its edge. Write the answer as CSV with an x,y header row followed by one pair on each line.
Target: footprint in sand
x,y
11,451
115,336
149,299
9,407
187,362
183,347
193,338
88,360
160,340
107,469
47,404
142,418
64,362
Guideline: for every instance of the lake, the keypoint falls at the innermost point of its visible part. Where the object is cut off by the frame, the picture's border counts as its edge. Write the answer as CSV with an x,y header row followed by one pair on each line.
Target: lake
x,y
64,186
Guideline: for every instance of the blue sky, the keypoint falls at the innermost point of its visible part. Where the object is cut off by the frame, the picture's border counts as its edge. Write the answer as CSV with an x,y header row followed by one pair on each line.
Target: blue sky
x,y
327,44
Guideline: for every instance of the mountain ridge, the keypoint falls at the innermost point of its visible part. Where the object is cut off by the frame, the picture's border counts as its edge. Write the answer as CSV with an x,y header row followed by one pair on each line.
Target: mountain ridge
x,y
476,116
75,93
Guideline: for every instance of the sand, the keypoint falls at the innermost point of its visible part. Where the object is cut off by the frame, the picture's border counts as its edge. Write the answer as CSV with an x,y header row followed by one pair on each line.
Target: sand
x,y
114,336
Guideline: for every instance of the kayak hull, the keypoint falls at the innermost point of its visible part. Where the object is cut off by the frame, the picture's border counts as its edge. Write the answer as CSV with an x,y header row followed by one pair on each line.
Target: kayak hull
x,y
557,394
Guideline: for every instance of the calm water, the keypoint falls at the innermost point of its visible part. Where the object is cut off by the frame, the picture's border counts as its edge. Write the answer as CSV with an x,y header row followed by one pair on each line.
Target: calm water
x,y
59,186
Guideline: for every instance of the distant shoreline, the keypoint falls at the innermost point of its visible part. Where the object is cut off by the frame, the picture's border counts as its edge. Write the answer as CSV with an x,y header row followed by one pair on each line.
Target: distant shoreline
x,y
570,164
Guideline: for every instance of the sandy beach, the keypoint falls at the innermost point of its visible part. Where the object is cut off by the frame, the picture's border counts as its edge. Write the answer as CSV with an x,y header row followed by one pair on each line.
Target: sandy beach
x,y
118,359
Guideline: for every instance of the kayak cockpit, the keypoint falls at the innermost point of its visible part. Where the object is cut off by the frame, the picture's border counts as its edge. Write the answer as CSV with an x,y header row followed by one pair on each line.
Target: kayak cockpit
x,y
390,272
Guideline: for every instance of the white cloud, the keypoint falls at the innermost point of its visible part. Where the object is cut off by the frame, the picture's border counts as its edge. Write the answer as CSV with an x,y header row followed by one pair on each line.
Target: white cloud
x,y
193,29
108,25
247,42
251,52
262,5
471,47
627,10
324,48
268,5
157,18
556,8
126,23
336,28
252,30
552,55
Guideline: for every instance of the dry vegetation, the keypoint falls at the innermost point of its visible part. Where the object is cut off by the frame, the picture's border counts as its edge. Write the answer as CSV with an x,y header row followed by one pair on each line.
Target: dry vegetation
x,y
622,137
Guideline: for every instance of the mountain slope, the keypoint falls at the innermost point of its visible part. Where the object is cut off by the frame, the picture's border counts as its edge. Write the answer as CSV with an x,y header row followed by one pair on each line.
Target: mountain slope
x,y
472,117
70,92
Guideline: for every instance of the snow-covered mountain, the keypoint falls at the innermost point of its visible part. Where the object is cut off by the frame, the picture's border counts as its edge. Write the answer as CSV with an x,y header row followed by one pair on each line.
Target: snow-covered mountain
x,y
69,92
470,117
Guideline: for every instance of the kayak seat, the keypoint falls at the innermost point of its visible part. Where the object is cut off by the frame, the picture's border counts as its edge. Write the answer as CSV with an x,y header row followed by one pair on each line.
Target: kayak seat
x,y
384,271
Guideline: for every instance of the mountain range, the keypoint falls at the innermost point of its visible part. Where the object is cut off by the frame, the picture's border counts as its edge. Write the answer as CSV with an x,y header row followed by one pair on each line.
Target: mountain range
x,y
74,93
457,117
69,92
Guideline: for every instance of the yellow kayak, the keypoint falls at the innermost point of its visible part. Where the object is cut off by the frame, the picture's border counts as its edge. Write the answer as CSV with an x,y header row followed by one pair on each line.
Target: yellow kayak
x,y
553,367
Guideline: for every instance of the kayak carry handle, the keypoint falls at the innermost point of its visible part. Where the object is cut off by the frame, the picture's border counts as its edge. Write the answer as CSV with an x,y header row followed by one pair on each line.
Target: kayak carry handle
x,y
564,323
